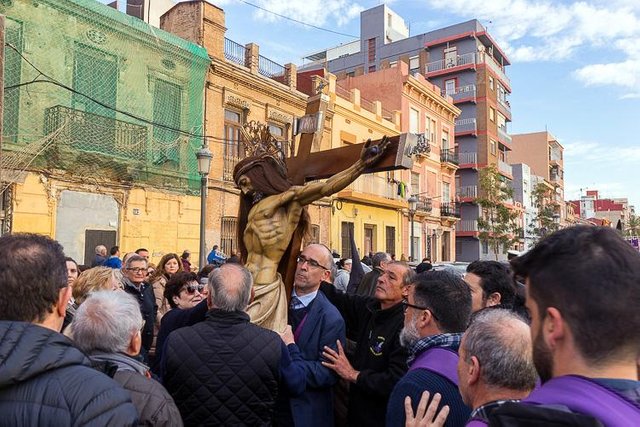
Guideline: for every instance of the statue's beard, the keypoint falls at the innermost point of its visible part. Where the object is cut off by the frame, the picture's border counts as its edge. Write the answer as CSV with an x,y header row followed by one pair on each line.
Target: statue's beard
x,y
254,196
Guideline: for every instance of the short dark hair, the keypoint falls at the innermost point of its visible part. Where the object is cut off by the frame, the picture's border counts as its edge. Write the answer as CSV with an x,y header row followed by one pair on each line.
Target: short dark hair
x,y
448,297
495,277
32,272
175,284
592,276
68,258
141,250
380,257
114,250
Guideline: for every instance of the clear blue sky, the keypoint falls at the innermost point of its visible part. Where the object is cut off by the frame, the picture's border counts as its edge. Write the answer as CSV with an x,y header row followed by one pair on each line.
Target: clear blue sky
x,y
575,72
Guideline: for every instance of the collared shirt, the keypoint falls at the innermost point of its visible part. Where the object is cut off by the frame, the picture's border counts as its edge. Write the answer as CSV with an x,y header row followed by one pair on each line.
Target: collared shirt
x,y
483,412
439,340
305,300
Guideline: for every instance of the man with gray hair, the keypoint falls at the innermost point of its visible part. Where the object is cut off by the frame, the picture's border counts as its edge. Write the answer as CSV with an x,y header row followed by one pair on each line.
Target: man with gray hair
x,y
367,286
226,370
107,328
496,362
101,256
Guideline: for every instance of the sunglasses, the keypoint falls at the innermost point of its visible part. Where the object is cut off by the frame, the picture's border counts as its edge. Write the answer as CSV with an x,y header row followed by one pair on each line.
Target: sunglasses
x,y
191,289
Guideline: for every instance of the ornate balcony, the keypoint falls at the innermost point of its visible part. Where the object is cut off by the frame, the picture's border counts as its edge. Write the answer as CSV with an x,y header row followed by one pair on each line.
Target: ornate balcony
x,y
449,156
425,204
450,209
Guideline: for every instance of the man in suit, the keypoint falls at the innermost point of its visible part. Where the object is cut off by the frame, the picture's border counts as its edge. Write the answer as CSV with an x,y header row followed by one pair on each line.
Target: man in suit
x,y
314,323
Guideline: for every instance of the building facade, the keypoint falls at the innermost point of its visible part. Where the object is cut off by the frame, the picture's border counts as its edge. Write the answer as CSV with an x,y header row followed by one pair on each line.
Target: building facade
x,y
426,113
466,64
107,154
545,156
608,211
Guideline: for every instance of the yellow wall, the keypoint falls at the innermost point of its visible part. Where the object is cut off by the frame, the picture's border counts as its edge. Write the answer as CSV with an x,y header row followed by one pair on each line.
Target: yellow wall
x,y
366,215
163,222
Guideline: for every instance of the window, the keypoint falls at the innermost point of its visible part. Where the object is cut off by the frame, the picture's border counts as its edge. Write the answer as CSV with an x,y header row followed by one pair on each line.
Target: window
x,y
485,247
414,63
167,106
390,235
450,87
415,183
372,68
491,84
430,129
228,237
450,57
414,120
278,132
89,63
351,74
492,114
446,192
12,76
389,20
233,149
393,64
502,122
346,228
371,49
445,140
492,145
315,235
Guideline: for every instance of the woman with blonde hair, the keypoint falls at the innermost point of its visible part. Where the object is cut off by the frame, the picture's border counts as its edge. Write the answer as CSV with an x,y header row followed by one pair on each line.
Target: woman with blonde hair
x,y
96,279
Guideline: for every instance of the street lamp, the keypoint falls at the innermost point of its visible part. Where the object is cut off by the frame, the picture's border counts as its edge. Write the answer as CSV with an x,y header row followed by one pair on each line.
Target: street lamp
x,y
204,162
413,202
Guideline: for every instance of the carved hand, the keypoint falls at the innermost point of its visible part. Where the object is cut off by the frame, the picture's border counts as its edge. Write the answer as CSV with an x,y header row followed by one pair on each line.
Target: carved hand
x,y
372,153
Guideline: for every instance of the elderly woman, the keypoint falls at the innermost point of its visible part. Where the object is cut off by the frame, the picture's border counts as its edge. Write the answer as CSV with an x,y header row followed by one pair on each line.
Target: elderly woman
x,y
183,292
96,279
169,265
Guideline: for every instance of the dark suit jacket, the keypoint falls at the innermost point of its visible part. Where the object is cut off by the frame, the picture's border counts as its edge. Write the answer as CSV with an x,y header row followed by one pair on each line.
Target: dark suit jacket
x,y
324,326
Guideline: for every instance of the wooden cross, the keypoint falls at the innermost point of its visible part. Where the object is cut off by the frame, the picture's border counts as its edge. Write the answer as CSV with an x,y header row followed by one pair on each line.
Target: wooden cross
x,y
308,166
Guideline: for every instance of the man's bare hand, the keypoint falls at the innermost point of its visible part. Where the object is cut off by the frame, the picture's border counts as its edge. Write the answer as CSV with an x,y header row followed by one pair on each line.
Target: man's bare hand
x,y
287,336
425,416
372,153
337,360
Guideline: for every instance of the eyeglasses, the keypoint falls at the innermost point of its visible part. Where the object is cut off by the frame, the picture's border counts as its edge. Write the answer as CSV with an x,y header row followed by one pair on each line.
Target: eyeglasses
x,y
406,306
137,270
191,289
311,262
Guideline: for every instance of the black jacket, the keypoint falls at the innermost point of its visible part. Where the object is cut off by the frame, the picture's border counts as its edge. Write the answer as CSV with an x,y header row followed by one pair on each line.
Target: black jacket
x,y
223,371
148,308
45,381
379,357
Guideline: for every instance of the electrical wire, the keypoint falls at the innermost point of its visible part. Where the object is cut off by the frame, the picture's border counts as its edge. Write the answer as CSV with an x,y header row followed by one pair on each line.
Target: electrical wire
x,y
299,22
50,80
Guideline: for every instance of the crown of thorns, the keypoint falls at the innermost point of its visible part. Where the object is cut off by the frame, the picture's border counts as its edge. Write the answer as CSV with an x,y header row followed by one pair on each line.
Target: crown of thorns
x,y
258,142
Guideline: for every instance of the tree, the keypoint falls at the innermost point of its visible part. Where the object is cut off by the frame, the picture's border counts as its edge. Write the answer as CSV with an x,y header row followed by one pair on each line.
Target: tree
x,y
498,224
632,228
545,222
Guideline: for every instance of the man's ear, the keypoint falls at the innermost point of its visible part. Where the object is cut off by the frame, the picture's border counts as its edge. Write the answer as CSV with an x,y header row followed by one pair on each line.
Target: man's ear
x,y
64,294
135,344
553,327
494,299
474,370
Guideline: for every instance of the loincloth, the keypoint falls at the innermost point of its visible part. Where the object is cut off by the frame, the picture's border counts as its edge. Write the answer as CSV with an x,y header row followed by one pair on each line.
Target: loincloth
x,y
269,306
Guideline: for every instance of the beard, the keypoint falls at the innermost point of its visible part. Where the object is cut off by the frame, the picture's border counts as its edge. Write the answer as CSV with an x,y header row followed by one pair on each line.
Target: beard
x,y
542,358
409,334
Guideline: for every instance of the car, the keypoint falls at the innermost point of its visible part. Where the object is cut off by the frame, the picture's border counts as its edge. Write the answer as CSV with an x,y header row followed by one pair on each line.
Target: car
x,y
458,268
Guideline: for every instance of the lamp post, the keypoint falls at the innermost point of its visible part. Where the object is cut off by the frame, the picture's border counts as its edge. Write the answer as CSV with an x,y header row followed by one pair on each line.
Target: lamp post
x,y
413,202
204,162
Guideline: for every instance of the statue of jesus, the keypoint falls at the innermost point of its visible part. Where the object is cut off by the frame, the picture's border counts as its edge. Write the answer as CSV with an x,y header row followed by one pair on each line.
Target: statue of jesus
x,y
271,211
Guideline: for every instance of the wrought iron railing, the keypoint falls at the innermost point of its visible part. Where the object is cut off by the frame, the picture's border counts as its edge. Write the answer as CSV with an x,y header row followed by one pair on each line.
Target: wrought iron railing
x,y
467,191
425,204
467,225
449,156
99,134
450,209
229,163
268,68
234,52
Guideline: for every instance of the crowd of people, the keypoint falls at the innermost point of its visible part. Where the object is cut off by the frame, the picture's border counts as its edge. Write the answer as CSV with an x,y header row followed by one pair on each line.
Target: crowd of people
x,y
550,338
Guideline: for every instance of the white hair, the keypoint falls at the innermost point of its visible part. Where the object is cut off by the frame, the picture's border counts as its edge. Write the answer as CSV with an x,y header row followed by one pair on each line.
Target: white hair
x,y
106,321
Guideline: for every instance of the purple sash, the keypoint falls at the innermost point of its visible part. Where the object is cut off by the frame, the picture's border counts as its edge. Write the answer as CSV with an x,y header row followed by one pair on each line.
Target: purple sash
x,y
587,397
439,360
476,423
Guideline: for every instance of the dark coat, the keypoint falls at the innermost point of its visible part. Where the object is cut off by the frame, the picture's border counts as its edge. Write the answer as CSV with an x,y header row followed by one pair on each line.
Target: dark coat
x,y
148,307
154,404
46,381
367,287
223,371
322,327
379,357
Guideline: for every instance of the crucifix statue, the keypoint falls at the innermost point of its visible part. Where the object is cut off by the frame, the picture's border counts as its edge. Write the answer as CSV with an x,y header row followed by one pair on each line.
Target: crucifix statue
x,y
272,217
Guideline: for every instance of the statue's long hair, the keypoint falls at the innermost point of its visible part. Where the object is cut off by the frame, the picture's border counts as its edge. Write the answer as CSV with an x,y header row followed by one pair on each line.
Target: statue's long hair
x,y
266,178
